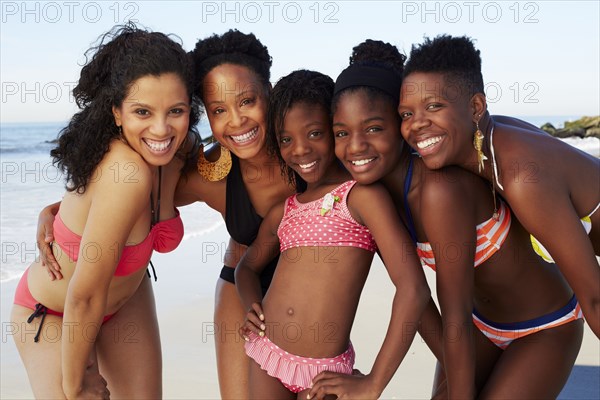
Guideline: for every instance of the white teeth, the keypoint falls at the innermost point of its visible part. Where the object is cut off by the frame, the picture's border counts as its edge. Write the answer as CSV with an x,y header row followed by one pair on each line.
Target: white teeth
x,y
158,145
246,136
362,162
428,142
307,166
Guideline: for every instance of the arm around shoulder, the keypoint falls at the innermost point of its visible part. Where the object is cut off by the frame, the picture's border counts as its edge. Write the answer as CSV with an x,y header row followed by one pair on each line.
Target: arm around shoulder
x,y
264,248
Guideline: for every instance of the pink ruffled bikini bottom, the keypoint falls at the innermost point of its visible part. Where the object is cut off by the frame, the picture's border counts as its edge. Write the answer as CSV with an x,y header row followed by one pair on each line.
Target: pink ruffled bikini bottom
x,y
295,372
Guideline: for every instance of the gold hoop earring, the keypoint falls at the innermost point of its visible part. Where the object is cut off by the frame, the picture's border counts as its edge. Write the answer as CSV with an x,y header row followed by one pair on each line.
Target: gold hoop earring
x,y
478,145
214,171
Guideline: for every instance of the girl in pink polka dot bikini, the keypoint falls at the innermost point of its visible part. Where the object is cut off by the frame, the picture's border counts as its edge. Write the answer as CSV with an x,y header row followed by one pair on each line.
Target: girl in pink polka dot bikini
x,y
327,236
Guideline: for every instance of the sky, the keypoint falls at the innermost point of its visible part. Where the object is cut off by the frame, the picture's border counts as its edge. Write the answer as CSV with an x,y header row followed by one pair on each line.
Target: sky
x,y
539,57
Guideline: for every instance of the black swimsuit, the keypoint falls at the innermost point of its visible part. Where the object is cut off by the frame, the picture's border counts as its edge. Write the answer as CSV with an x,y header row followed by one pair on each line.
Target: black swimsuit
x,y
242,222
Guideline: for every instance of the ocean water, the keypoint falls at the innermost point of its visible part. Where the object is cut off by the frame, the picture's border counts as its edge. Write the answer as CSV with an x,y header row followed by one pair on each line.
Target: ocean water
x,y
30,182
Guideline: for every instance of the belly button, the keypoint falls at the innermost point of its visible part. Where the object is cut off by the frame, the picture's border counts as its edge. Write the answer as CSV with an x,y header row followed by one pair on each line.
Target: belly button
x,y
290,311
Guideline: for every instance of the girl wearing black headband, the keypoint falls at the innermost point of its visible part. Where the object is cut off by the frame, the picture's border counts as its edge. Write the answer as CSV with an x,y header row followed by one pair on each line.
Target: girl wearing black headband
x,y
313,286
445,210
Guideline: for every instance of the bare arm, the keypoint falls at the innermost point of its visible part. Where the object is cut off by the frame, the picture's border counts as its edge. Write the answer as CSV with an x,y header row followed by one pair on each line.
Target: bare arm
x,y
430,329
192,187
377,211
548,214
449,220
187,191
107,228
247,273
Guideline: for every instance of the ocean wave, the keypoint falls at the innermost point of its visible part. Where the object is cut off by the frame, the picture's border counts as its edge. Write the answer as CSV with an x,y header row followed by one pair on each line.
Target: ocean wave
x,y
590,145
44,147
7,276
18,233
211,228
14,268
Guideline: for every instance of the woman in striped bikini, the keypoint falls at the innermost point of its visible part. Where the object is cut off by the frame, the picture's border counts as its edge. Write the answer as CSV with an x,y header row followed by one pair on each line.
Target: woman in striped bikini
x,y
552,187
486,269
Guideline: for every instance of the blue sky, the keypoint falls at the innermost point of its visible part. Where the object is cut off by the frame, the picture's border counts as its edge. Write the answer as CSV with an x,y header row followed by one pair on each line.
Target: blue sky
x,y
539,57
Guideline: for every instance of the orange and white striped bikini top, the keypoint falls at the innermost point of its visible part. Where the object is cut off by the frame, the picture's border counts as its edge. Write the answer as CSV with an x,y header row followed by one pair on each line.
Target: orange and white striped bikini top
x,y
325,222
490,237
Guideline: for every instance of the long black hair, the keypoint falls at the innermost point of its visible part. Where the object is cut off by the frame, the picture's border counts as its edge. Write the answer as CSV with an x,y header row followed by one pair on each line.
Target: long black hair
x,y
123,55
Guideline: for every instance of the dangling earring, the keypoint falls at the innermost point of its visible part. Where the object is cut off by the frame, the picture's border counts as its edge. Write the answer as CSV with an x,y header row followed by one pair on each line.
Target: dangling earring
x,y
478,144
214,171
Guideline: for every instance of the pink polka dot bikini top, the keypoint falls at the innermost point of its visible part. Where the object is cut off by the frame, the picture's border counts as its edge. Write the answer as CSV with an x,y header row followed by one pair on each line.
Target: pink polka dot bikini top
x,y
324,222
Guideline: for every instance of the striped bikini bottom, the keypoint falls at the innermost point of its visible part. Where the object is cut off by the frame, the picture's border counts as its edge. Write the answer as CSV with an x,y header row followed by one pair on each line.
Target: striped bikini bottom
x,y
502,334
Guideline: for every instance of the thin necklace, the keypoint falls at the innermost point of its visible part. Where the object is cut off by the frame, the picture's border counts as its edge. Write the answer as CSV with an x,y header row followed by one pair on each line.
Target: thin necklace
x,y
156,212
495,180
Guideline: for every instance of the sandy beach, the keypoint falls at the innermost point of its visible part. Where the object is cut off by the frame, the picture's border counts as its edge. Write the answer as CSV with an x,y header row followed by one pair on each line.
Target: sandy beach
x,y
184,298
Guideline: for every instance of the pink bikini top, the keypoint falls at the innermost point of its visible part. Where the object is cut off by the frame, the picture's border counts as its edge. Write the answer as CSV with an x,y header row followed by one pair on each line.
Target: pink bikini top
x,y
490,237
324,222
163,237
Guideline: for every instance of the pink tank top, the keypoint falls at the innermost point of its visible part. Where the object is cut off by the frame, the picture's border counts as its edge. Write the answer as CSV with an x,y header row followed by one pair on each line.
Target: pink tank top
x,y
324,222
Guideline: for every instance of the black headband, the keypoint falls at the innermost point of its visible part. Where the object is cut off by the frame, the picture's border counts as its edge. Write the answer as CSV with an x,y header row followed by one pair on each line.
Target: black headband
x,y
377,77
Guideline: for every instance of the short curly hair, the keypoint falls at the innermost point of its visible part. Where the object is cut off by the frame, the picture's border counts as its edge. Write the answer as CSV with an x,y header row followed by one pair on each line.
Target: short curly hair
x,y
301,86
454,57
232,47
374,53
123,55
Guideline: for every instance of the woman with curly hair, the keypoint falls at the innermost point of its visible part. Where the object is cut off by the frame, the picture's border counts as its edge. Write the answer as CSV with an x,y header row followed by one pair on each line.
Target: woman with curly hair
x,y
119,156
238,178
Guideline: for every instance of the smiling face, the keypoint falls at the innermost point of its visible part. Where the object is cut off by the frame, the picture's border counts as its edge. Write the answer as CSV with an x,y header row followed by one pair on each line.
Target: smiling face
x,y
437,119
306,141
155,117
367,136
236,106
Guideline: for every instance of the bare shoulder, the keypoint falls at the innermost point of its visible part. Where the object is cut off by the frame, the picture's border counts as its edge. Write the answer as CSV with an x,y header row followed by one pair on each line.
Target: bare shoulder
x,y
448,183
369,201
520,143
452,194
361,193
122,170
